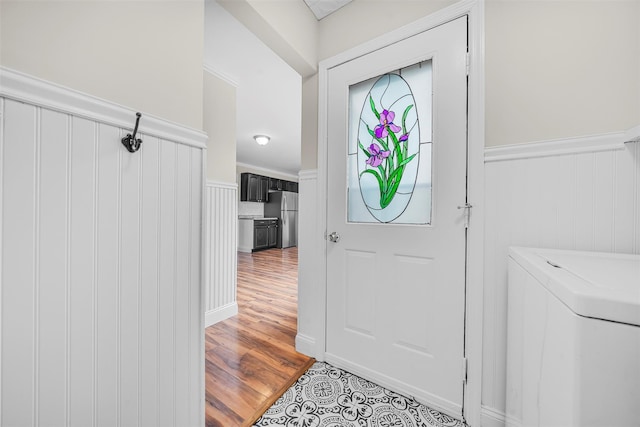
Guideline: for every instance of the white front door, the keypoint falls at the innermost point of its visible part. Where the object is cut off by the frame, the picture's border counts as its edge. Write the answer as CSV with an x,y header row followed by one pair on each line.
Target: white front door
x,y
397,152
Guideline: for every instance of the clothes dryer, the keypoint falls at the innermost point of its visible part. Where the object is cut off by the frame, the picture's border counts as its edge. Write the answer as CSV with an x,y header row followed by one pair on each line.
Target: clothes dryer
x,y
573,339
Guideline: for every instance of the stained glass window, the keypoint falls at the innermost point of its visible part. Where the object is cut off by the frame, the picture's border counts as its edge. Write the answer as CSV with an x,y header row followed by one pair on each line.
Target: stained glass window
x,y
390,145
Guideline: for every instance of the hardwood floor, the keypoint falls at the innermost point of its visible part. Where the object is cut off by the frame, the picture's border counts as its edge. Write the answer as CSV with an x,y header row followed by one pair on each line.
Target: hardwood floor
x,y
250,358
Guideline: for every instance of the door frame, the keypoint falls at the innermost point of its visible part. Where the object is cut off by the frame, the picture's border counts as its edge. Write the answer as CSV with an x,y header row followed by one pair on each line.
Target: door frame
x,y
474,9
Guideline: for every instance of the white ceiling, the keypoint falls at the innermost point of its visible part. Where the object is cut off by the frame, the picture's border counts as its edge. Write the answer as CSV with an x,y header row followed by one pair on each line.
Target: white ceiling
x,y
268,92
322,8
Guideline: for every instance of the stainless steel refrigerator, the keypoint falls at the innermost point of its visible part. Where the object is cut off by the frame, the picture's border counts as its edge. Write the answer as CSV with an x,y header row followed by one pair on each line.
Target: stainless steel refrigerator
x,y
284,206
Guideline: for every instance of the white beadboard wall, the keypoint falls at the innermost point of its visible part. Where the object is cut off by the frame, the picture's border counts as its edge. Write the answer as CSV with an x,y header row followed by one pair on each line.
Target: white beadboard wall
x,y
581,194
100,263
220,251
310,291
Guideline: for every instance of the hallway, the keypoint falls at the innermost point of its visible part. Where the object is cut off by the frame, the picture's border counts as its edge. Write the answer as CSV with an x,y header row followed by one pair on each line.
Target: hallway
x,y
250,358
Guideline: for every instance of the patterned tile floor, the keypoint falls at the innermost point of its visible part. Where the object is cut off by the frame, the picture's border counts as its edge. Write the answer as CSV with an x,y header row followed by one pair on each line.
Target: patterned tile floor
x,y
326,396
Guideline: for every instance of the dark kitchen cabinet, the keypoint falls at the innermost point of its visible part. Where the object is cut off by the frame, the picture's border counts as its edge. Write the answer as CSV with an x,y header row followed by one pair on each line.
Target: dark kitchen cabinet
x,y
276,184
273,234
265,232
292,186
253,188
282,185
263,188
260,237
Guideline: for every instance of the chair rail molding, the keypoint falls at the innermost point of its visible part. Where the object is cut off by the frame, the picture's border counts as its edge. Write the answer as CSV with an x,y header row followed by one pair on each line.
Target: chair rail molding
x,y
632,135
25,88
556,147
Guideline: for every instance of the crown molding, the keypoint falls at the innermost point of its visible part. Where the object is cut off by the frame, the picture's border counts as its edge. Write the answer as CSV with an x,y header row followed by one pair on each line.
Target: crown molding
x,y
219,74
308,174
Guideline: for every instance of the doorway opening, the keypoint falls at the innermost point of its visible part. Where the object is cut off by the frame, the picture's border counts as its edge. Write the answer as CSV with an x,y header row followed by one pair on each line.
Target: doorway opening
x,y
250,358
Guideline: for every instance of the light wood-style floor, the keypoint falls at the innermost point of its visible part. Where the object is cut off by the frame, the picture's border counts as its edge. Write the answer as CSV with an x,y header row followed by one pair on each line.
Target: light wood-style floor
x,y
250,358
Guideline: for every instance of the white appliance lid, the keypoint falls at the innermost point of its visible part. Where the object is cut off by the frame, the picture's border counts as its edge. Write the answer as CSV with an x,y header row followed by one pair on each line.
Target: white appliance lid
x,y
592,284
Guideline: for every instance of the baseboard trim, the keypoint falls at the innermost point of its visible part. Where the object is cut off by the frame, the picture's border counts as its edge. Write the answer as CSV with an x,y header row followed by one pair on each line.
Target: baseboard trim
x,y
306,345
219,314
491,417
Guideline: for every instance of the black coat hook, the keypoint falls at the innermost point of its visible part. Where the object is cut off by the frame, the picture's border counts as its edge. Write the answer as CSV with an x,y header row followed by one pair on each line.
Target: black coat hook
x,y
130,142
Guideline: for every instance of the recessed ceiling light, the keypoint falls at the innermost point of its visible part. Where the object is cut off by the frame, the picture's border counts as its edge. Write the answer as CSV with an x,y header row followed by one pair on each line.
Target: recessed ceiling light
x,y
262,139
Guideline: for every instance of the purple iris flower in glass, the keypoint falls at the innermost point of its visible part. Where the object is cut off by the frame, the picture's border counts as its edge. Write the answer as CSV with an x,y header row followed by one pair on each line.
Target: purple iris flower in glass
x,y
404,137
377,155
386,121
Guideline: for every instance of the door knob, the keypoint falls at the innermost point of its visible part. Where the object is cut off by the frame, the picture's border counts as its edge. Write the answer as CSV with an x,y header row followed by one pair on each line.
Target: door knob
x,y
334,237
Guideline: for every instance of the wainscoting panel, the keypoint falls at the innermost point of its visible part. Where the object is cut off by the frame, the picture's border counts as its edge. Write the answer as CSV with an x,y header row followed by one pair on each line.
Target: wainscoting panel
x,y
100,264
582,197
220,253
309,327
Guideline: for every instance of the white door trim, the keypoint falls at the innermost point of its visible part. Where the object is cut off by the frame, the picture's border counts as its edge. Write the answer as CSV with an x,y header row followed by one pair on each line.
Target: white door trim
x,y
474,294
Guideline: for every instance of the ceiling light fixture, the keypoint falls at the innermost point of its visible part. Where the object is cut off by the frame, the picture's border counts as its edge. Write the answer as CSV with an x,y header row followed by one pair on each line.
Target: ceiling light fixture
x,y
262,139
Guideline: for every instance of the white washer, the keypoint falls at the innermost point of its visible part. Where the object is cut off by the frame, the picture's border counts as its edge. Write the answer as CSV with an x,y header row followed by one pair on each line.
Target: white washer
x,y
573,340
